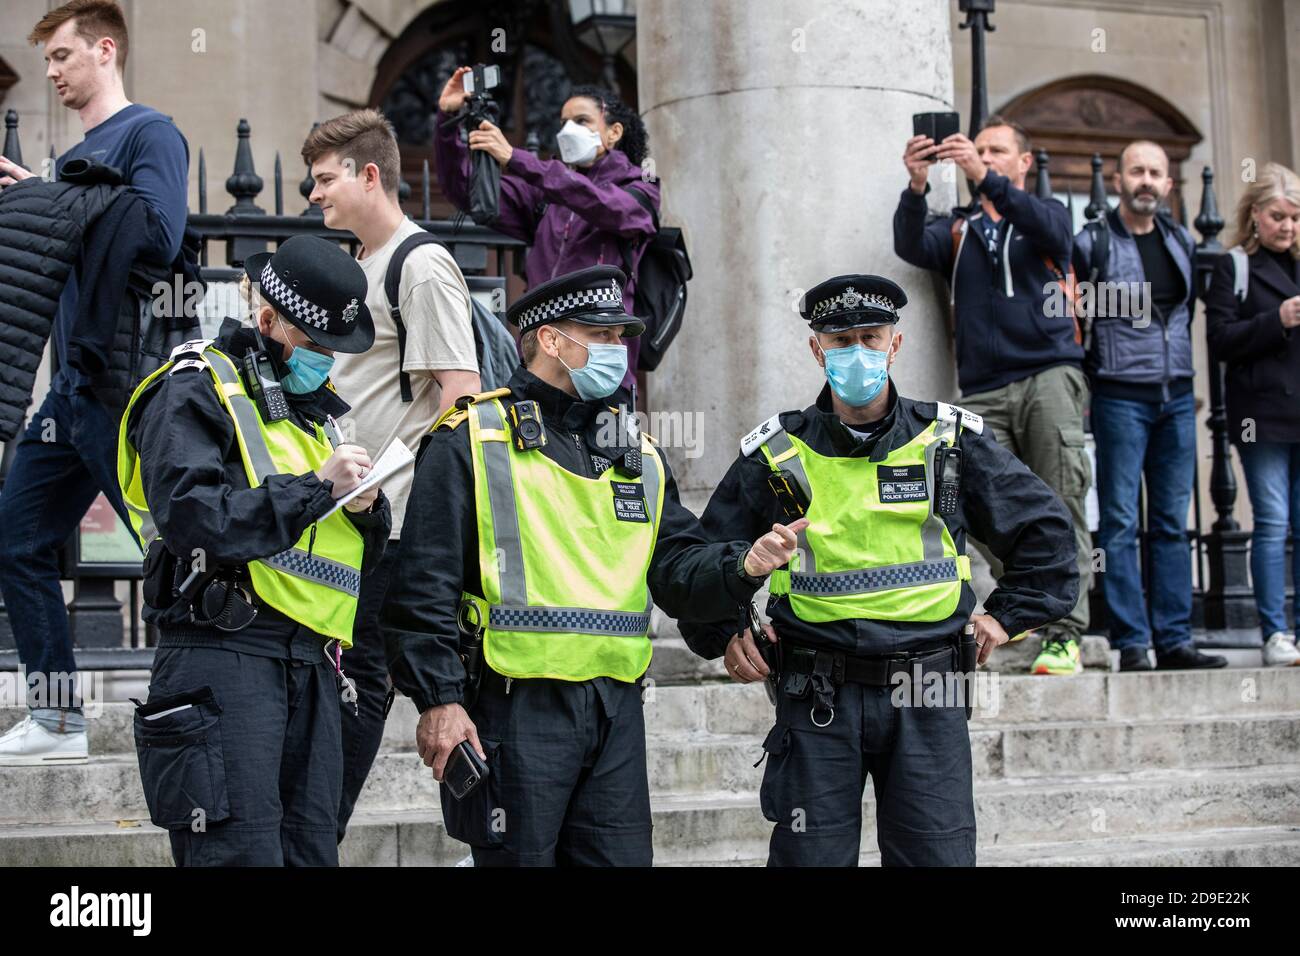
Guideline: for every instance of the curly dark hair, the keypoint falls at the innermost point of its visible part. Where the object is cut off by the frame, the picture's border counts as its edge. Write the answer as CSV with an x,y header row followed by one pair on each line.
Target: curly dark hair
x,y
635,140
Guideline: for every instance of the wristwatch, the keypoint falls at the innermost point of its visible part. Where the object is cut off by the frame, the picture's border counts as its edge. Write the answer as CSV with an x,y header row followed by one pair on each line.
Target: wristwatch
x,y
745,575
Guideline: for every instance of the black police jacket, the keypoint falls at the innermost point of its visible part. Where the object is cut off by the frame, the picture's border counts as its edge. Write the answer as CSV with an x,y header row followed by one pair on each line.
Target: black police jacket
x,y
1002,503
199,498
439,550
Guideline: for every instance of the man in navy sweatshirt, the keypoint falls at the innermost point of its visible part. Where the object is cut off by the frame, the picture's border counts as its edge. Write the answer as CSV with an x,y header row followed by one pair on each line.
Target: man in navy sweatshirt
x,y
68,454
1019,357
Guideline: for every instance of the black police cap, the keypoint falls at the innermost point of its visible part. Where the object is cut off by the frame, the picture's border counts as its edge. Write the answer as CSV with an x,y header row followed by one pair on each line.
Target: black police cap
x,y
317,287
592,296
852,302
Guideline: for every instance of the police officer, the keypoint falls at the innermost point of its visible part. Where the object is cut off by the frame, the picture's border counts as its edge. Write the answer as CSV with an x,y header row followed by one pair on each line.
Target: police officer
x,y
230,463
542,523
868,618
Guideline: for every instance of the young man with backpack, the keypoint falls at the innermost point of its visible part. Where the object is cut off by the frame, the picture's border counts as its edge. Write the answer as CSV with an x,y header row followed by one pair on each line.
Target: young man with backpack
x,y
1140,367
421,362
1019,351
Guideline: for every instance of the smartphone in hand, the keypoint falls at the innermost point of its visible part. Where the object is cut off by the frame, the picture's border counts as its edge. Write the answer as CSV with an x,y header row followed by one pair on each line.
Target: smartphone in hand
x,y
465,770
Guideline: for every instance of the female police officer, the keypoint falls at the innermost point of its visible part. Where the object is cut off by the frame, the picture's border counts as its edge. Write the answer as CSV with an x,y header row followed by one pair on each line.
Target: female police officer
x,y
230,470
869,615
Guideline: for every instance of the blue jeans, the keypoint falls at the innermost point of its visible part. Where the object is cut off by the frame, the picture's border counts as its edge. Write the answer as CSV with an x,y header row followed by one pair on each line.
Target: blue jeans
x,y
1273,480
66,457
1156,440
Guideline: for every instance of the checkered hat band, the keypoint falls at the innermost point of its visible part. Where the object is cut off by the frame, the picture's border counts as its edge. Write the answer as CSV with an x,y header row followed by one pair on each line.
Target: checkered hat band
x,y
340,577
569,620
876,579
301,309
850,301
605,297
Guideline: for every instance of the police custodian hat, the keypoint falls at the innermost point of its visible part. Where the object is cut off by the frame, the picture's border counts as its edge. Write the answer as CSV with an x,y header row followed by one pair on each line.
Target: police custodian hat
x,y
592,296
317,287
852,302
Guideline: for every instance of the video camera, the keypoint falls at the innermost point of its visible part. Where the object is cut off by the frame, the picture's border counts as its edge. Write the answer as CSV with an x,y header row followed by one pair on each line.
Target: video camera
x,y
478,105
485,172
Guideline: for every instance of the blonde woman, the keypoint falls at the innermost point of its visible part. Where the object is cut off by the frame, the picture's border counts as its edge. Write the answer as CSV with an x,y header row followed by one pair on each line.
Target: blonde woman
x,y
1253,311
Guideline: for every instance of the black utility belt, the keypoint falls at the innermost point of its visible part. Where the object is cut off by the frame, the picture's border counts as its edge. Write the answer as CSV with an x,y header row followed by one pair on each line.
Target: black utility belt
x,y
841,668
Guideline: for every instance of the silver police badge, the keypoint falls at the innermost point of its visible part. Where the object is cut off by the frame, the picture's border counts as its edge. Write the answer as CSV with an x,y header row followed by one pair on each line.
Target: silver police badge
x,y
350,313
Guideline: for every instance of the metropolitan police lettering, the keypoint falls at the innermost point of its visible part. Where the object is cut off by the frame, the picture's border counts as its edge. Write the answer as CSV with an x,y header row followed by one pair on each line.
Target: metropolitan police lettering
x,y
903,483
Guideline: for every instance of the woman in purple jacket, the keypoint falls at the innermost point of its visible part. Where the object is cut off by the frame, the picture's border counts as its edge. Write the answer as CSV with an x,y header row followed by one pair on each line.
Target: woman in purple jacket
x,y
575,211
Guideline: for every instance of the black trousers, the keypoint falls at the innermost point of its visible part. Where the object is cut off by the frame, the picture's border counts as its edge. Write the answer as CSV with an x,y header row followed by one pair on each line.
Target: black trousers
x,y
917,754
251,776
365,662
567,776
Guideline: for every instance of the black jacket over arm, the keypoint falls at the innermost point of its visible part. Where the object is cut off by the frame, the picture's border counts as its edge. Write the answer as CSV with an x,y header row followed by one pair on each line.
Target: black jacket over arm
x,y
439,550
1262,356
1002,504
198,491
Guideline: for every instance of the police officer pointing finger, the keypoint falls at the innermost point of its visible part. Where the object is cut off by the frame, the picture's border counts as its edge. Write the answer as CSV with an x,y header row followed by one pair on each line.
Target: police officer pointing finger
x,y
877,597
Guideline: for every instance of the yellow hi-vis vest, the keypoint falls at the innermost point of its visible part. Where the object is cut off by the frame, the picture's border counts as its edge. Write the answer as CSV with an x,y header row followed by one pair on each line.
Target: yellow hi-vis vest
x,y
874,548
562,559
314,582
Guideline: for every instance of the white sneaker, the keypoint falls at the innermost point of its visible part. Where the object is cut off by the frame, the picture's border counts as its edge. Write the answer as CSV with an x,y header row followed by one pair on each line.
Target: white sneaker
x,y
28,744
1280,650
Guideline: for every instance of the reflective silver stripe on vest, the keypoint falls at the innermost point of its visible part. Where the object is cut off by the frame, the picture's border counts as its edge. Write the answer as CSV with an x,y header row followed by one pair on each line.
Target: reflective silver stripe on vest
x,y
570,620
331,574
876,579
505,517
778,445
246,417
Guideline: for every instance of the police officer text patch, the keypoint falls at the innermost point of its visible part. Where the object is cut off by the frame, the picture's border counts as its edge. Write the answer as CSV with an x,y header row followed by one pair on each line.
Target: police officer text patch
x,y
629,501
902,483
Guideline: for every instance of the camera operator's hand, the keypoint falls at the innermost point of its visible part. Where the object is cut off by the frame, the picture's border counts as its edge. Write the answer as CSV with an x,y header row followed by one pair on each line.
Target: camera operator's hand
x,y
962,151
743,661
918,158
11,172
492,141
453,94
346,468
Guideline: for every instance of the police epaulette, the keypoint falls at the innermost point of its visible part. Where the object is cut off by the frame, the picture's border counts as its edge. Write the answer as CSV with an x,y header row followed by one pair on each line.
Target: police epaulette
x,y
450,419
465,401
455,416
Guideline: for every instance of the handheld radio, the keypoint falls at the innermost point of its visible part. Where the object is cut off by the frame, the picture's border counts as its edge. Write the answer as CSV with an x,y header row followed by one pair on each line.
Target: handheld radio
x,y
264,383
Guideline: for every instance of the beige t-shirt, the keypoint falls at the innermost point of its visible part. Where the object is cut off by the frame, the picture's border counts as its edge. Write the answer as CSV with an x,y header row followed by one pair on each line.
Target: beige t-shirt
x,y
439,335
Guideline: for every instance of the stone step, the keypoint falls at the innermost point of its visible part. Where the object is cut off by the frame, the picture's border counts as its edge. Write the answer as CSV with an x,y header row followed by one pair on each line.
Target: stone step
x,y
1236,846
1001,699
1245,819
107,787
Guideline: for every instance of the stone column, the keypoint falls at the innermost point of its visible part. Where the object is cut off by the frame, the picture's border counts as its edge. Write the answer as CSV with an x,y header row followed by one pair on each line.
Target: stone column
x,y
778,130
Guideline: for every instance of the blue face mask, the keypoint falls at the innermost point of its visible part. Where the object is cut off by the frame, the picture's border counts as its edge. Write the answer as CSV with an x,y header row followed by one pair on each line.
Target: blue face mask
x,y
603,373
856,373
307,370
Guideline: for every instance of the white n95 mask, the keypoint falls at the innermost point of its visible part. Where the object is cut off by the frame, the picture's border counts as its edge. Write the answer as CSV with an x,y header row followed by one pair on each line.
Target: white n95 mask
x,y
578,145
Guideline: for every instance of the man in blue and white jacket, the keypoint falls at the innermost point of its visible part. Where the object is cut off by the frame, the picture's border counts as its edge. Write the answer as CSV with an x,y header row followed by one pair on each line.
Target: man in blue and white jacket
x,y
1138,266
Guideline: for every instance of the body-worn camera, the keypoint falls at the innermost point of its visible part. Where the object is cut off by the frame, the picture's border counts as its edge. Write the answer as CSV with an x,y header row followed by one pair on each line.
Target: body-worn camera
x,y
526,427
